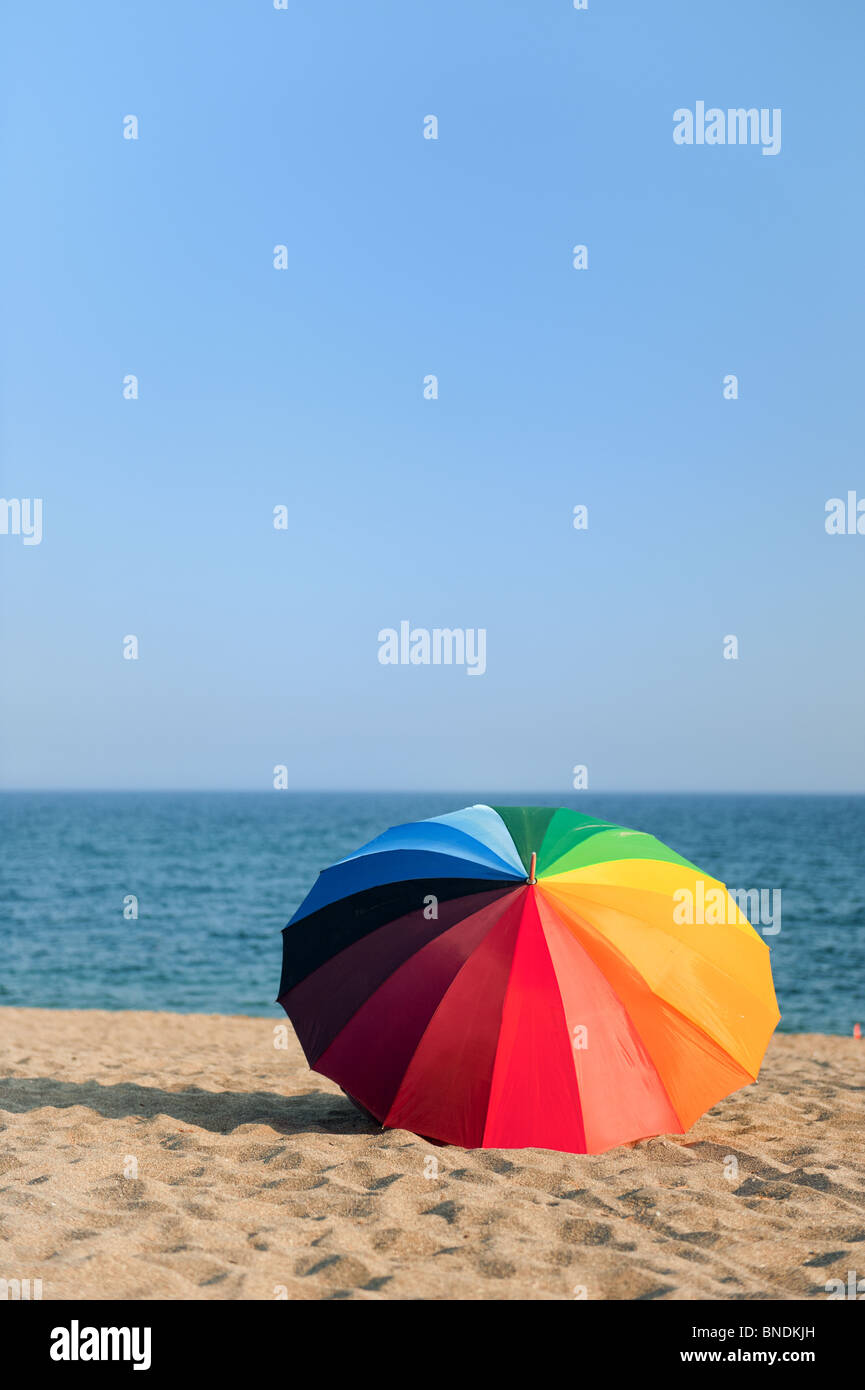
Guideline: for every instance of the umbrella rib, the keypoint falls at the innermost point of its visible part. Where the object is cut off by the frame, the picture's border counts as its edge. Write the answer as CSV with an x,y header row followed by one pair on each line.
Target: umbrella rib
x,y
437,1010
675,942
583,922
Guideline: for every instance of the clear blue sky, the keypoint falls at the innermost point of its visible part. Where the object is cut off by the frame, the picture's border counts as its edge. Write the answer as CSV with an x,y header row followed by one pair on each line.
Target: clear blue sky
x,y
557,387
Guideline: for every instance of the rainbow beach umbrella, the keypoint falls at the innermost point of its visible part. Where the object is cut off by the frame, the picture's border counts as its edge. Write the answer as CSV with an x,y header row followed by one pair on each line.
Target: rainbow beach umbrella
x,y
522,976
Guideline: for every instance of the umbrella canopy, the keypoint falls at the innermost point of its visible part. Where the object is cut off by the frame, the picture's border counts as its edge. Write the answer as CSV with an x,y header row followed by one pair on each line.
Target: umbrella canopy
x,y
521,976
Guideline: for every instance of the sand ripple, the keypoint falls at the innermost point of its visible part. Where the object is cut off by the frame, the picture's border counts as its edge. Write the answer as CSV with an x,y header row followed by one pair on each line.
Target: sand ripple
x,y
183,1156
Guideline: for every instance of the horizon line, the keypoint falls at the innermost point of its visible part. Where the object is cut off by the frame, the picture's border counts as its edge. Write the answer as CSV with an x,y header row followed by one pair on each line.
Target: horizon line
x,y
433,791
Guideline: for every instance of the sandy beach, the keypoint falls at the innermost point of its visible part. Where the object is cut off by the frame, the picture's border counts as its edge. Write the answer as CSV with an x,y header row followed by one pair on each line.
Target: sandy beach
x,y
168,1156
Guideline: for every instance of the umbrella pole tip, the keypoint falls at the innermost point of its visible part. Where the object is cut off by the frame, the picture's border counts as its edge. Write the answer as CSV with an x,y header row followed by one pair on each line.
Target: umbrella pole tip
x,y
532,875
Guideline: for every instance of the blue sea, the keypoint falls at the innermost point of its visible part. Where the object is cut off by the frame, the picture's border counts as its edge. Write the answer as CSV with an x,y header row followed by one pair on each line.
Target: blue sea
x,y
218,874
